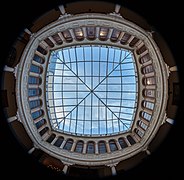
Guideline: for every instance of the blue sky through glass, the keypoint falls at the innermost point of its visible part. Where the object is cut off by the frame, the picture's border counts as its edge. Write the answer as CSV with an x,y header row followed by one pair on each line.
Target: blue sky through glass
x,y
91,90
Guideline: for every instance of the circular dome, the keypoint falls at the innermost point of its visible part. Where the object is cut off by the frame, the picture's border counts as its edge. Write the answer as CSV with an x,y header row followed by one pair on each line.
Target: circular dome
x,y
91,90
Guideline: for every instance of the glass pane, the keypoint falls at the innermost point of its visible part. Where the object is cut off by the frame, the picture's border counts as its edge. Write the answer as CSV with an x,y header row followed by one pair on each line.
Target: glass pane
x,y
92,89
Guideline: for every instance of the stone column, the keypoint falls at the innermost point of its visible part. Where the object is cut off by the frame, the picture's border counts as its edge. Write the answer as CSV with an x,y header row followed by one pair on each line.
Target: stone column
x,y
11,69
113,169
8,69
173,68
65,169
66,165
127,142
96,148
117,8
62,9
27,31
31,150
11,119
63,143
73,146
118,145
84,148
147,151
170,121
107,146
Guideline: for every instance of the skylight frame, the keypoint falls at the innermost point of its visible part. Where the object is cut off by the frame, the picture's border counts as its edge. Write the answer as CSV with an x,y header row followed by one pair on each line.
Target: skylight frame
x,y
100,48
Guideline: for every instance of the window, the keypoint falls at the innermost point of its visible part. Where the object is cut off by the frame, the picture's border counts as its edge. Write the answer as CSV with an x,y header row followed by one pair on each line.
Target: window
x,y
59,141
38,59
102,147
79,146
43,131
125,38
90,148
91,33
57,39
41,50
37,114
131,139
113,146
51,138
98,88
122,143
40,123
34,80
35,103
35,69
146,115
34,92
68,144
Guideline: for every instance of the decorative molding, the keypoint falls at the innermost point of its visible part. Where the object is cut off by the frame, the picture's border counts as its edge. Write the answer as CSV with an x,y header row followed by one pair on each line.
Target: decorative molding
x,y
69,21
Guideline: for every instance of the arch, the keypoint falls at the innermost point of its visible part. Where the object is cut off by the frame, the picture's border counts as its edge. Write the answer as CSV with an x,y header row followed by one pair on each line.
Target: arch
x,y
51,138
90,147
43,131
34,92
67,36
150,93
79,34
40,123
38,59
115,35
35,103
68,144
57,39
125,38
148,105
131,139
145,58
59,141
141,49
79,146
103,33
122,142
133,42
102,147
145,115
37,114
149,81
91,33
147,69
34,80
112,145
49,42
36,69
41,50
139,132
142,124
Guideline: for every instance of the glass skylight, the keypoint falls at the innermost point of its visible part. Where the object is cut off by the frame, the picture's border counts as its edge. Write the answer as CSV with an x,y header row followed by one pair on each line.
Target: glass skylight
x,y
91,90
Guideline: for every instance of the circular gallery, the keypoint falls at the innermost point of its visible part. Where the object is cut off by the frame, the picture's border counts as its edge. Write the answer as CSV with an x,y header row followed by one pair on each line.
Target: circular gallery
x,y
91,89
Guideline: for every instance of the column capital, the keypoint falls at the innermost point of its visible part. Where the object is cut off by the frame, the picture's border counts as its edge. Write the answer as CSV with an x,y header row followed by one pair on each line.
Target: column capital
x,y
67,163
113,164
147,150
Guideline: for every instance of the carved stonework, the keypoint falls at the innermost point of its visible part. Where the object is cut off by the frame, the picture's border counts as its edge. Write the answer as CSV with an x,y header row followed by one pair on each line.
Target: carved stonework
x,y
66,21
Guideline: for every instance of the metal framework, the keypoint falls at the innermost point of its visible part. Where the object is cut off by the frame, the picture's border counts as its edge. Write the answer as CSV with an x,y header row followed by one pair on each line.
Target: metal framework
x,y
91,89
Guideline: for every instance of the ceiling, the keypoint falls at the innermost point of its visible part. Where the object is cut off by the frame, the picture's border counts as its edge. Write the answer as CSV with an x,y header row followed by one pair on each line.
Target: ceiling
x,y
165,19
